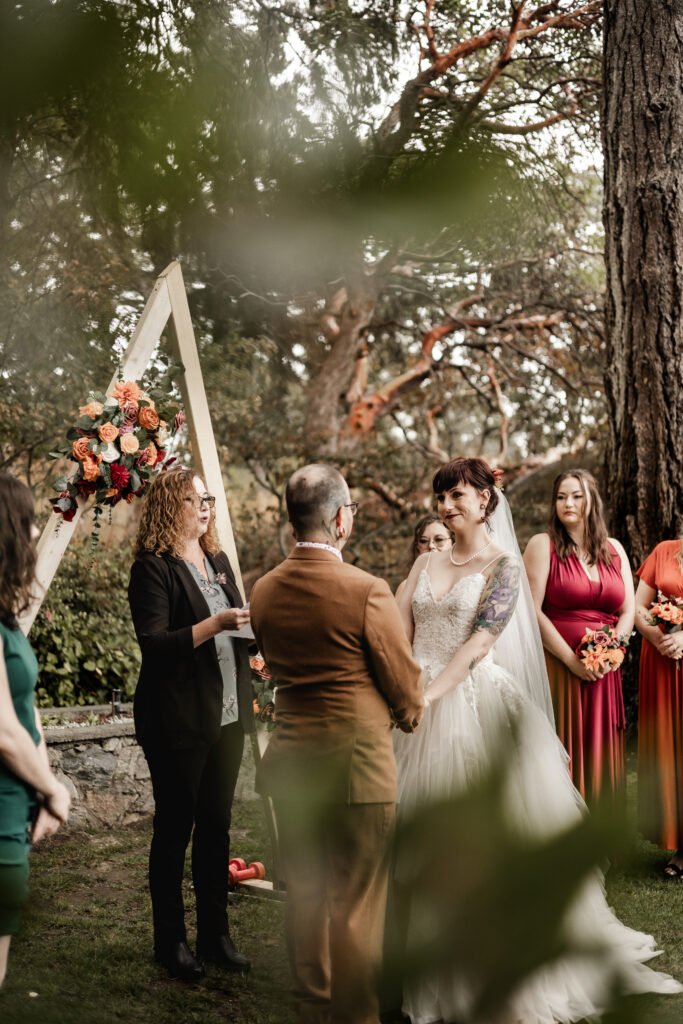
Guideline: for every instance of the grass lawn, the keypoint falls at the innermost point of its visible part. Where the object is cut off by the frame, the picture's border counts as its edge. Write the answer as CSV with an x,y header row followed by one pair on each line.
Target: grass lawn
x,y
84,951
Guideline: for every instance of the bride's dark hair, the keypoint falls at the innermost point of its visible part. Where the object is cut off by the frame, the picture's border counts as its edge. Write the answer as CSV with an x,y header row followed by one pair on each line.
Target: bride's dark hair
x,y
475,472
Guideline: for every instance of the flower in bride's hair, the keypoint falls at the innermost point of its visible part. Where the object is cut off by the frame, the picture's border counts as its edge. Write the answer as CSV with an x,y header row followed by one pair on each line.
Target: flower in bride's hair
x,y
498,475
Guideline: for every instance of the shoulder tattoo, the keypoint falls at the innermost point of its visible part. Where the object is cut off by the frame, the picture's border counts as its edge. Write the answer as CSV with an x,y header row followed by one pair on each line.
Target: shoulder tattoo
x,y
499,597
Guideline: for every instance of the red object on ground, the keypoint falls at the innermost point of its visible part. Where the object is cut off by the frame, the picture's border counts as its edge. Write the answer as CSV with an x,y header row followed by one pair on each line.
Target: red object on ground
x,y
255,870
237,863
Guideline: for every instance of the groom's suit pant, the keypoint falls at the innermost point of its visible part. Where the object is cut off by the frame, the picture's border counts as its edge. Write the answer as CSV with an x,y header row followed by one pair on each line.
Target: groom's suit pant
x,y
335,863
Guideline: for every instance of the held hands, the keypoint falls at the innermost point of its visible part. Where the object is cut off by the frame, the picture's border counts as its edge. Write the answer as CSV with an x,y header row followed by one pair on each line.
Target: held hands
x,y
671,645
588,675
234,618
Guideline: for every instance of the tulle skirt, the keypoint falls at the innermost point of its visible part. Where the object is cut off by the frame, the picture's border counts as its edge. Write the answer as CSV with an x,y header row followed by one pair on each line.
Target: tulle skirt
x,y
457,741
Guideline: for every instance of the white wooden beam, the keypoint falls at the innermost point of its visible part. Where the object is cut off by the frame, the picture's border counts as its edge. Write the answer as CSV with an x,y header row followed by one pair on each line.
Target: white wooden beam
x,y
204,452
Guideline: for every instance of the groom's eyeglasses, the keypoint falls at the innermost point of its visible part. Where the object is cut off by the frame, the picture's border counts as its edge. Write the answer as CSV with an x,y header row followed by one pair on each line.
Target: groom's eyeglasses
x,y
353,505
208,499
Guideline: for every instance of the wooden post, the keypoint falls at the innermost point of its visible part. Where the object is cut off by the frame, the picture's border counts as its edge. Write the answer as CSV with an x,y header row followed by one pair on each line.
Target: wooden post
x,y
204,453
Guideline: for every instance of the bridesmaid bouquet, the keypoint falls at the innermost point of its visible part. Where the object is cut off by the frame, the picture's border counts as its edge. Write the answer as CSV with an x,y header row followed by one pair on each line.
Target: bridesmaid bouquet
x,y
602,648
264,706
667,613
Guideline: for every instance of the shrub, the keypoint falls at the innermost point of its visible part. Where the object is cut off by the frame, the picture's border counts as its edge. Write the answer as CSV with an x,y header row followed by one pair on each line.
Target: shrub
x,y
83,634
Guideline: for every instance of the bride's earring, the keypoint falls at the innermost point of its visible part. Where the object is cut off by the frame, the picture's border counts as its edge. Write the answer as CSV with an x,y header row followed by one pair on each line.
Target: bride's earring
x,y
482,509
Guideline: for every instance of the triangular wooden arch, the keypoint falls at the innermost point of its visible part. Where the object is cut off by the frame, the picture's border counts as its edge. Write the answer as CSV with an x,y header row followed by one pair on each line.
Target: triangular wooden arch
x,y
166,308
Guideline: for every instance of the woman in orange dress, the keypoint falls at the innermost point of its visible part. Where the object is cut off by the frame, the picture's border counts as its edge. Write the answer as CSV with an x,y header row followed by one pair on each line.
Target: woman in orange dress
x,y
660,708
580,579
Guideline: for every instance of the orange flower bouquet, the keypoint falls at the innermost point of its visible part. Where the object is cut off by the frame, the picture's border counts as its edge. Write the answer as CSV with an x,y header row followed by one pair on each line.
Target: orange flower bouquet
x,y
602,648
264,695
667,613
118,445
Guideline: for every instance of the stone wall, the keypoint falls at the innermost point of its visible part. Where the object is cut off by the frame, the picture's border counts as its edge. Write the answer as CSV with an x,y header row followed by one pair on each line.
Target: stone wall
x,y
106,773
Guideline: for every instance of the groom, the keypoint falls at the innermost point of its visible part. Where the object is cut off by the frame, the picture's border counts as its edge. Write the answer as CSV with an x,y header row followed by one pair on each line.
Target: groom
x,y
332,636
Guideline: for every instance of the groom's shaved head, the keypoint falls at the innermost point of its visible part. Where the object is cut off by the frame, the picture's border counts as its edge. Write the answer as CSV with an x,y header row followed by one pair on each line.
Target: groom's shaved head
x,y
313,495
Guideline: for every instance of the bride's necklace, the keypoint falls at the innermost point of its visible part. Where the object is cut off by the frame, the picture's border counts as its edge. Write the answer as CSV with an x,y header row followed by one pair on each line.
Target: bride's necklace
x,y
472,557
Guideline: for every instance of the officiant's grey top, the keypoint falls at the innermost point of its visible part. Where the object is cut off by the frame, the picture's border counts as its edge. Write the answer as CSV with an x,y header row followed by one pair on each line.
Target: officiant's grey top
x,y
214,595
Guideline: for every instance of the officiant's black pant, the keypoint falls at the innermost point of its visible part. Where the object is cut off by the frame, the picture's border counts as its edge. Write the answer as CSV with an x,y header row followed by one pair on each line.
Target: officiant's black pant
x,y
193,789
335,863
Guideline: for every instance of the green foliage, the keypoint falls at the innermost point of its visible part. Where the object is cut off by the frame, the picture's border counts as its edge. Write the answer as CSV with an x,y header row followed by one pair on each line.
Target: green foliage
x,y
83,635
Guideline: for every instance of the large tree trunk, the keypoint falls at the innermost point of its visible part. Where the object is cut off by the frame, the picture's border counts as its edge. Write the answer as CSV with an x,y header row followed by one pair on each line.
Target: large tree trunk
x,y
643,217
344,323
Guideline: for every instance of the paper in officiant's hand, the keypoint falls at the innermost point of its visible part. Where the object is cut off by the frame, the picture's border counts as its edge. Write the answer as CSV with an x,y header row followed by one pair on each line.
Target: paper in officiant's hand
x,y
245,633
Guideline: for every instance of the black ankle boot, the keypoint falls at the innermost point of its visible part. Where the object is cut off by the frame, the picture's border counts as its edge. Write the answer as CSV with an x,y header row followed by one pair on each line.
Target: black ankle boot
x,y
220,950
179,962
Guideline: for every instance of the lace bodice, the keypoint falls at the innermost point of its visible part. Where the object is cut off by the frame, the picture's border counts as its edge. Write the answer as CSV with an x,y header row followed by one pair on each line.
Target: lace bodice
x,y
442,627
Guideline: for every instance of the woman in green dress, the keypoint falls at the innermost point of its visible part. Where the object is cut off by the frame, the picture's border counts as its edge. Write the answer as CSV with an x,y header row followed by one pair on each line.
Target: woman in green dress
x,y
33,802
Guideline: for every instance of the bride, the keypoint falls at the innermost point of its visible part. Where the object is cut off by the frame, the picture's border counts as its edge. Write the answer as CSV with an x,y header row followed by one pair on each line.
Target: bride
x,y
469,615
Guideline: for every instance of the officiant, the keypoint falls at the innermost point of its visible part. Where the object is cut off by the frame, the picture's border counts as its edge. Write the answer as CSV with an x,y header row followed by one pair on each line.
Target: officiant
x,y
193,705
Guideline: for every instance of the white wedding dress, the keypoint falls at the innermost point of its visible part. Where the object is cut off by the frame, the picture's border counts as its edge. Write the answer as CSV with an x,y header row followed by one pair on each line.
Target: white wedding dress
x,y
454,744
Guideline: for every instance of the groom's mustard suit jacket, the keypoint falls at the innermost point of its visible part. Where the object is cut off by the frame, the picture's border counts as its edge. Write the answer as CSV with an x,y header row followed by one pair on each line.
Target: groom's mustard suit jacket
x,y
332,636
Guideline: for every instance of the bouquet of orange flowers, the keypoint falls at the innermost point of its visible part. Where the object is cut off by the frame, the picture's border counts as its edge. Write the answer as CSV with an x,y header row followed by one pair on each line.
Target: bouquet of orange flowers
x,y
602,648
118,445
667,613
264,705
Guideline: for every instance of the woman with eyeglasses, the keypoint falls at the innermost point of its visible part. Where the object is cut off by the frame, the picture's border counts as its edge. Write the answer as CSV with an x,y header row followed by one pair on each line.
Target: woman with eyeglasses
x,y
193,704
430,535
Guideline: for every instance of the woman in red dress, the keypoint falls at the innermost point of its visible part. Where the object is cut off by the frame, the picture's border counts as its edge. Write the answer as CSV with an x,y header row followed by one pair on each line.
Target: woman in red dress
x,y
660,708
580,579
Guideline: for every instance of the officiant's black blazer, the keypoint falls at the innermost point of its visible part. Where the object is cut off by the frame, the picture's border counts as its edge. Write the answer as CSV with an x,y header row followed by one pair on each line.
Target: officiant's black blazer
x,y
179,696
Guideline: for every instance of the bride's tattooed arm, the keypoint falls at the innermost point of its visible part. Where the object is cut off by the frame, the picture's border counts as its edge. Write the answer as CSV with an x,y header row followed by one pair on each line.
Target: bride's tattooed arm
x,y
496,605
499,597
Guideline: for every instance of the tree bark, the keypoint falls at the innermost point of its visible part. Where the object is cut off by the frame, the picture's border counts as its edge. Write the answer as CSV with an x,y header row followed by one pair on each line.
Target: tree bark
x,y
344,323
642,126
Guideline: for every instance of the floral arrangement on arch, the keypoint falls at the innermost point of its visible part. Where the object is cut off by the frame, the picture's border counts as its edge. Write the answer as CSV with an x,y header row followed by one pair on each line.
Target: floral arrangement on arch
x,y
118,445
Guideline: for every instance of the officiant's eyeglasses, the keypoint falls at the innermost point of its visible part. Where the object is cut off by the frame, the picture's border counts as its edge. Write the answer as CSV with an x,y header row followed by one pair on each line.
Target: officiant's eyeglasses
x,y
353,505
208,499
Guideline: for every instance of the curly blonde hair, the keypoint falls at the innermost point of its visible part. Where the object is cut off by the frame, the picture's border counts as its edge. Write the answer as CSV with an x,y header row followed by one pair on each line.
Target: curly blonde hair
x,y
162,524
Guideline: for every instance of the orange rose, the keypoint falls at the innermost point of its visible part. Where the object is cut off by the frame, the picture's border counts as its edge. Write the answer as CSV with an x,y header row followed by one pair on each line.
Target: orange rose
x,y
92,409
129,444
111,492
91,467
108,433
148,418
126,393
130,498
80,448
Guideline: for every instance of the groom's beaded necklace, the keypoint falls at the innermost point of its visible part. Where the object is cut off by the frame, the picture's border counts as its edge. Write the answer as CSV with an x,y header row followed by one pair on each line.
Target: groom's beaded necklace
x,y
472,557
